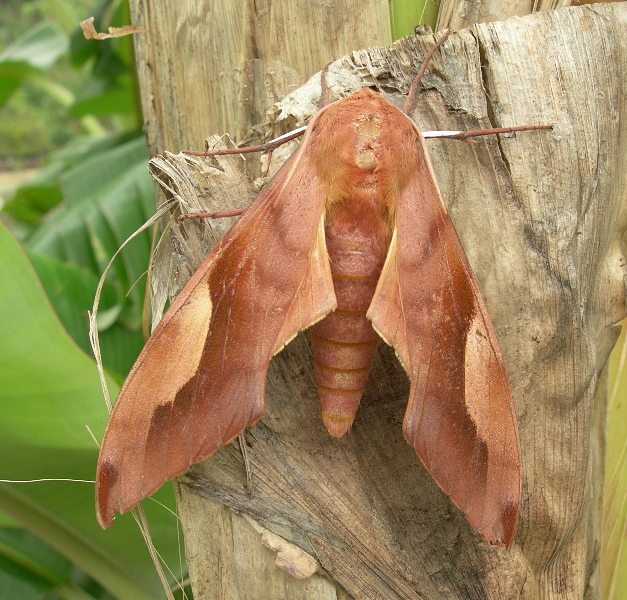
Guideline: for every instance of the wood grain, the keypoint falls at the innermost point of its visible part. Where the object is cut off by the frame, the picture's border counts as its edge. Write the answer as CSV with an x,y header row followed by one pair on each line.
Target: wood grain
x,y
459,14
216,66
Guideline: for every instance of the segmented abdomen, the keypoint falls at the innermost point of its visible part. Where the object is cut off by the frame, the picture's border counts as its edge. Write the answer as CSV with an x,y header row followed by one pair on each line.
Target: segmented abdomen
x,y
344,343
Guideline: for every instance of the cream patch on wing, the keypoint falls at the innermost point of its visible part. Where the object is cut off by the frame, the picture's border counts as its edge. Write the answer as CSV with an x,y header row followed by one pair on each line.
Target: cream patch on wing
x,y
386,310
315,297
176,353
477,364
486,389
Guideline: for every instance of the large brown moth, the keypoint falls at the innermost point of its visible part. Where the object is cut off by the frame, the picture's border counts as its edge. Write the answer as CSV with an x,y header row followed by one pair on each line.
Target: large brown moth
x,y
350,240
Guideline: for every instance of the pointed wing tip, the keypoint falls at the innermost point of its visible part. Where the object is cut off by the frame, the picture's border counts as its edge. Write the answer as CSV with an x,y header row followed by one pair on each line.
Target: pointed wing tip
x,y
107,488
499,530
502,531
509,522
500,542
110,499
104,518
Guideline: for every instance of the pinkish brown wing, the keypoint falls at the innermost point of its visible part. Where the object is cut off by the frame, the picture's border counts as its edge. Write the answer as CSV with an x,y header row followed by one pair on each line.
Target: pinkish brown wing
x,y
200,379
460,416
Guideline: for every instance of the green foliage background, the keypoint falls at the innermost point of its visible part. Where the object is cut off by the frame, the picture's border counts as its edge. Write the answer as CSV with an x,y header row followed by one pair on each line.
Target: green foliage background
x,y
69,106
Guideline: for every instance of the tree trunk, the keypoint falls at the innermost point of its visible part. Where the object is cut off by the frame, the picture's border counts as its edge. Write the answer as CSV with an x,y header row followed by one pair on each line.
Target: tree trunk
x,y
217,66
540,215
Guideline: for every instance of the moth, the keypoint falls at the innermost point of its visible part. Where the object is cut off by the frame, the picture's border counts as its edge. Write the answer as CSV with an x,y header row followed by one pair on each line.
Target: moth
x,y
352,242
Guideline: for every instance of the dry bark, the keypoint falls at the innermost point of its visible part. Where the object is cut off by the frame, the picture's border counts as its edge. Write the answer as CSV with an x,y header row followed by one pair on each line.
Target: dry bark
x,y
459,14
541,216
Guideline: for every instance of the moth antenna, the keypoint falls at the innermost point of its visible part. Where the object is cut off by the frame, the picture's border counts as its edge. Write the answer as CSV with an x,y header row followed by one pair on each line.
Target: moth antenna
x,y
464,135
268,160
415,86
324,96
213,215
267,147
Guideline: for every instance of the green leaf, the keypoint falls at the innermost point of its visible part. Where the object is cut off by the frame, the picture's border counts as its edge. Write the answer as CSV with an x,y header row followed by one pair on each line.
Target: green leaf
x,y
100,172
71,291
39,47
33,199
407,14
112,87
30,566
29,56
49,393
12,75
115,100
82,49
37,196
108,197
6,521
614,528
